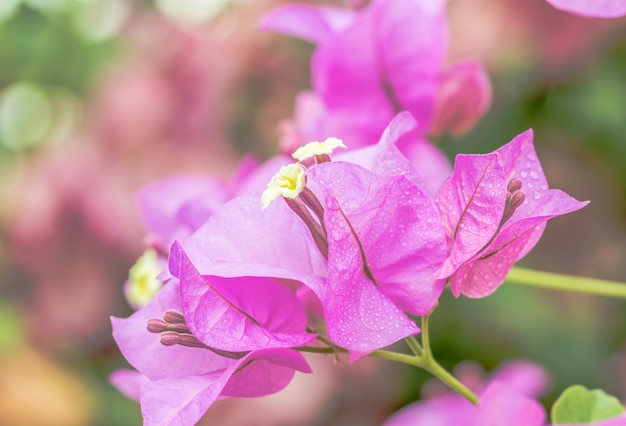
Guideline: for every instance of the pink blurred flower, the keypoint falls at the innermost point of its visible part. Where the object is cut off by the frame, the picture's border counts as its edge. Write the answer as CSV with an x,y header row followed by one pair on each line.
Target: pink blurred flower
x,y
371,65
506,399
592,8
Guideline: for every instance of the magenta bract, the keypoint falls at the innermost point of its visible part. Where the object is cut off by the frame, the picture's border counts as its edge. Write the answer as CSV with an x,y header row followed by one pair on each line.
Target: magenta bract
x,y
494,208
177,384
240,313
385,244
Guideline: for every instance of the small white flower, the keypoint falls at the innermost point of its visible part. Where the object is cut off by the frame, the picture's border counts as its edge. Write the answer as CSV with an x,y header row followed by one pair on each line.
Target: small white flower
x,y
317,148
288,182
142,283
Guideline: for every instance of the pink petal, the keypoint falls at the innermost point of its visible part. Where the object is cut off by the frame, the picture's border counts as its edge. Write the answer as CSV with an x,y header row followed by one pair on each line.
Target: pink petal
x,y
519,160
501,406
314,24
523,377
393,225
483,275
266,371
242,239
472,203
464,94
177,206
448,410
592,8
181,400
430,163
184,400
346,76
385,158
411,45
144,351
239,314
128,382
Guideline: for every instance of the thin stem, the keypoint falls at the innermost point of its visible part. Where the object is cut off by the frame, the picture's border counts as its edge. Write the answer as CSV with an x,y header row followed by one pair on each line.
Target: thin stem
x,y
318,350
432,366
442,374
416,348
566,282
426,336
415,361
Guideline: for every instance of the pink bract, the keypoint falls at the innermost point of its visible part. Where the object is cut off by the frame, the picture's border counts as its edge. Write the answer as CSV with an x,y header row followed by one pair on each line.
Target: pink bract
x,y
241,313
385,244
177,384
495,207
592,8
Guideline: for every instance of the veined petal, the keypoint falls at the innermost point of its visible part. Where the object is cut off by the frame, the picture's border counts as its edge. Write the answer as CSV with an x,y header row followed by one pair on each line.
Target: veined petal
x,y
240,314
242,239
472,203
266,371
487,271
385,244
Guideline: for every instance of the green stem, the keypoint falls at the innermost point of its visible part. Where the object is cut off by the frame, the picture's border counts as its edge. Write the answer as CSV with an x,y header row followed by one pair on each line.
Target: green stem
x,y
433,367
399,357
566,282
414,345
426,336
318,350
442,374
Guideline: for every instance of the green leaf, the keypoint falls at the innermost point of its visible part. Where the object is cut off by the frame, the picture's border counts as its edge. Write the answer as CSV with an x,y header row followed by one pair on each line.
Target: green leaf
x,y
577,404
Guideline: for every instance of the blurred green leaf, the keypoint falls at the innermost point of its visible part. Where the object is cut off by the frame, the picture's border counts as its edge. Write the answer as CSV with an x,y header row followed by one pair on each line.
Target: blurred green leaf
x,y
577,404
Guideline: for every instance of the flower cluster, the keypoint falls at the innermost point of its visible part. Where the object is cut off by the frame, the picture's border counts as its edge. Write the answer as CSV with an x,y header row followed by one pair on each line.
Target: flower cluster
x,y
342,250
357,249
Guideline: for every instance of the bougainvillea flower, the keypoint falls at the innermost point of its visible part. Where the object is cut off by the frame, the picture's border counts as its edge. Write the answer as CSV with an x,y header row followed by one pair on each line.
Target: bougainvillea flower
x,y
592,8
387,210
372,64
506,399
242,241
177,384
385,243
495,207
241,313
388,58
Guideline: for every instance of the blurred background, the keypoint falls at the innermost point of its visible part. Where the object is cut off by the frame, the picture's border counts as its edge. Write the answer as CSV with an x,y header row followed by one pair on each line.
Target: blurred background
x,y
100,97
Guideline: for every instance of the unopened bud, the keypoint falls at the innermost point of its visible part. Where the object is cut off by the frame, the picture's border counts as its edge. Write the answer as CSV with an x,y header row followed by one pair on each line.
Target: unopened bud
x,y
156,326
514,185
171,338
173,317
512,203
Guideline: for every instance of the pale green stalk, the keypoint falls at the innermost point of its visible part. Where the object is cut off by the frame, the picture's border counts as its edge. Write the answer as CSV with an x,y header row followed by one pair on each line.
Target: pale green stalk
x,y
566,282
